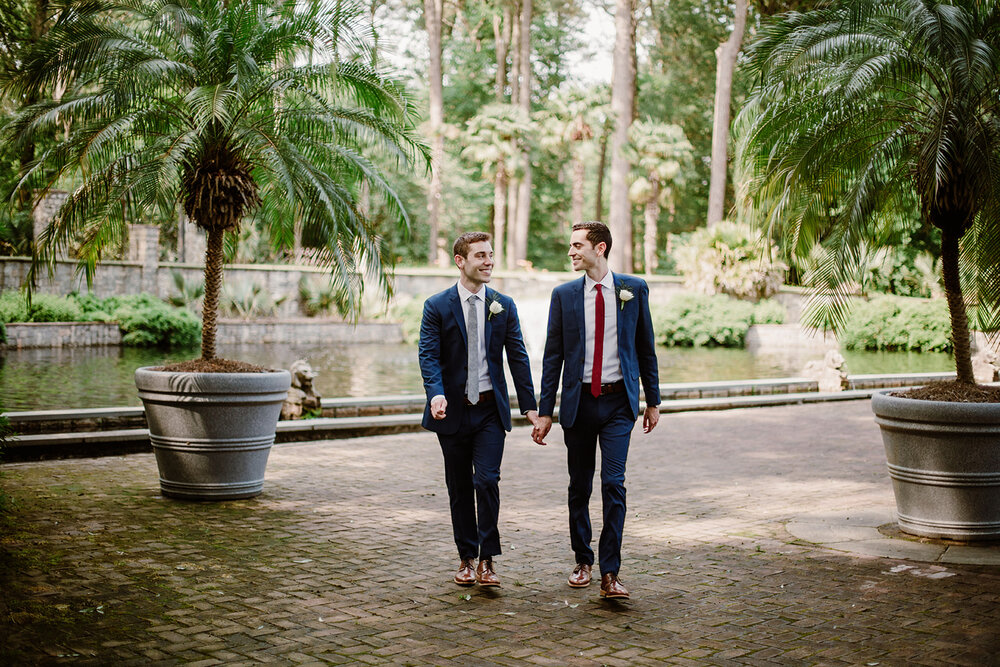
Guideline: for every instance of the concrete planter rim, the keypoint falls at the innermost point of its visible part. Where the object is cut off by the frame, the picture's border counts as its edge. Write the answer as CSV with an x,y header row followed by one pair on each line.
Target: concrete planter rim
x,y
884,403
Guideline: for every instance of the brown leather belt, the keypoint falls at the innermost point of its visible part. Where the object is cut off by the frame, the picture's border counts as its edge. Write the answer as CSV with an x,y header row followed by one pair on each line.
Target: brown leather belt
x,y
610,388
483,396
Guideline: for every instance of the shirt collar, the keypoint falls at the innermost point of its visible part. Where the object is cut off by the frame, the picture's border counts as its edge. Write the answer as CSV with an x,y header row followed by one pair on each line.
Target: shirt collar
x,y
607,282
464,294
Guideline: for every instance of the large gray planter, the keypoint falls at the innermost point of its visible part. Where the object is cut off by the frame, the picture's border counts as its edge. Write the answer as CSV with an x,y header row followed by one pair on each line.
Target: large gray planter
x,y
211,432
944,460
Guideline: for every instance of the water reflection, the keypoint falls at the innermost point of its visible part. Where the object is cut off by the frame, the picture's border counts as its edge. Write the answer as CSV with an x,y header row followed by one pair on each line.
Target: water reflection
x,y
47,379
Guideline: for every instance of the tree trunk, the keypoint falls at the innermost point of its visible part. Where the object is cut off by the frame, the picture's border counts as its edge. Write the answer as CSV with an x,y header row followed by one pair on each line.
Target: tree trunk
x,y
602,163
579,174
213,287
499,213
622,105
956,307
513,186
651,216
523,213
432,22
725,57
501,37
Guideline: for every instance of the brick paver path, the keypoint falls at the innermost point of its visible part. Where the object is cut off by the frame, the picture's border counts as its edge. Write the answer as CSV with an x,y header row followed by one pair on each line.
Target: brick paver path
x,y
347,558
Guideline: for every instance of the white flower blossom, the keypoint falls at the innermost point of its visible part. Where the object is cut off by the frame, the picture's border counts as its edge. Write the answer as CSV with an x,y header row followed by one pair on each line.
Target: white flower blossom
x,y
495,308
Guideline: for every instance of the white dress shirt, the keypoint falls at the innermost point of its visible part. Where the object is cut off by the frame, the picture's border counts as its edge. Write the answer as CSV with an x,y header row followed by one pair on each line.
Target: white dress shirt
x,y
611,369
463,295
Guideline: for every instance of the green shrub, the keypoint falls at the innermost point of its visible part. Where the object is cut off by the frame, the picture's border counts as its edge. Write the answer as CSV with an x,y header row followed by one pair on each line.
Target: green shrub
x,y
769,311
702,320
3,333
147,321
319,296
92,308
894,323
408,313
13,307
729,258
247,300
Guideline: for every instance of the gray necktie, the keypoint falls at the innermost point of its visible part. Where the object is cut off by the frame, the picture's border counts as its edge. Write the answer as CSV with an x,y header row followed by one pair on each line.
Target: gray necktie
x,y
472,324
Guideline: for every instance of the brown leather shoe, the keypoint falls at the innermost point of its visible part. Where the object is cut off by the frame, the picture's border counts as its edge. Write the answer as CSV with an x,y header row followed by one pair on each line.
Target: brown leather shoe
x,y
485,574
465,575
580,577
611,587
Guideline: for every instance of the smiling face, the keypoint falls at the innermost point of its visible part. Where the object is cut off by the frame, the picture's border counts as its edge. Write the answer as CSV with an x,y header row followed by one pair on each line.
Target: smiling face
x,y
477,267
584,254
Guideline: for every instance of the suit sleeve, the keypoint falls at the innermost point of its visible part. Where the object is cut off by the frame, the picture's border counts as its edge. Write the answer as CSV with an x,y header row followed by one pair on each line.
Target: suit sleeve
x,y
552,360
429,351
517,359
645,347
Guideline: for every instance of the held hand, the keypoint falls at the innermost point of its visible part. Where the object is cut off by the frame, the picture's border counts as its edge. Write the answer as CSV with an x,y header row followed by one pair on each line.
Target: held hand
x,y
650,418
542,427
532,416
438,407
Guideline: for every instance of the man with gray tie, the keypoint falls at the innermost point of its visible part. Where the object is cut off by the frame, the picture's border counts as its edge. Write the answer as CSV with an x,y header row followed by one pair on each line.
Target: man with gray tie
x,y
463,334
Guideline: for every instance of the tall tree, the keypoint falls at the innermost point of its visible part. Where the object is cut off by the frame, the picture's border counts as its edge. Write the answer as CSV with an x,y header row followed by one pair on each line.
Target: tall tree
x,y
658,152
432,23
863,110
215,105
523,213
623,108
725,56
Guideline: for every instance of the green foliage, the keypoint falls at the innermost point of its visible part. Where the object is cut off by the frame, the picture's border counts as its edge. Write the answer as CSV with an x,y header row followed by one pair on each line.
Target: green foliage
x,y
321,297
143,319
728,258
187,293
873,122
147,321
409,314
14,307
3,333
246,300
701,320
892,323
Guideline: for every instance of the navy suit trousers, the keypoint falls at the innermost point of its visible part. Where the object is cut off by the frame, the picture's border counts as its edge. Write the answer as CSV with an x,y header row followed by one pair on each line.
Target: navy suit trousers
x,y
608,420
472,474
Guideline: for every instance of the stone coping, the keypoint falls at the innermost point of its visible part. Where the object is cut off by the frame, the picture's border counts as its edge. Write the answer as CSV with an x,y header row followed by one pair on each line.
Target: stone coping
x,y
873,532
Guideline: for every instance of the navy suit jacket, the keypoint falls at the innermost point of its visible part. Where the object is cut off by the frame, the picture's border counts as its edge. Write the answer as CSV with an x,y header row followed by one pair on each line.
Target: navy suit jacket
x,y
566,342
443,353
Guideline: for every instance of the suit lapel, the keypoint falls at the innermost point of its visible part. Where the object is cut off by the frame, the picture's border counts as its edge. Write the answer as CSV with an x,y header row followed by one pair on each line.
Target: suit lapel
x,y
458,313
490,297
578,314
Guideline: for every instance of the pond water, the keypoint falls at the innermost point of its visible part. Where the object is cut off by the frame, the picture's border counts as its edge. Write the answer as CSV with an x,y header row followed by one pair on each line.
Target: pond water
x,y
92,377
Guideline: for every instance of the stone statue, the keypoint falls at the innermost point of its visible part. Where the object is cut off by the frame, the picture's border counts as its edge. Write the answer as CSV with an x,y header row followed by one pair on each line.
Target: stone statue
x,y
984,365
302,398
829,373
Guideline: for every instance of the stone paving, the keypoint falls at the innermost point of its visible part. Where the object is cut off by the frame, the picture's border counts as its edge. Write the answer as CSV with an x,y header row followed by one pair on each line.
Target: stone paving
x,y
347,558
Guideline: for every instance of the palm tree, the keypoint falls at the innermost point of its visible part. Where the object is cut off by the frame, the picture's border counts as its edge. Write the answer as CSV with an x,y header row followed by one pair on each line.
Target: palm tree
x,y
219,106
494,138
865,111
657,152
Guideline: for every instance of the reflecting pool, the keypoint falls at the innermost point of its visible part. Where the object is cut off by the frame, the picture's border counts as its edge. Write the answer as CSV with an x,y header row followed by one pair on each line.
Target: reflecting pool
x,y
91,377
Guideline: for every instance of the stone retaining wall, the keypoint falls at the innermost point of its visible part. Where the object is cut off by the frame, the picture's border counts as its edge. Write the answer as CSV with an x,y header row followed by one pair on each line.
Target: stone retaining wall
x,y
75,334
22,335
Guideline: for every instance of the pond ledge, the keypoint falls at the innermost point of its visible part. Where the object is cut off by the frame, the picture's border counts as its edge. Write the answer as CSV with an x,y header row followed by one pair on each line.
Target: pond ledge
x,y
47,434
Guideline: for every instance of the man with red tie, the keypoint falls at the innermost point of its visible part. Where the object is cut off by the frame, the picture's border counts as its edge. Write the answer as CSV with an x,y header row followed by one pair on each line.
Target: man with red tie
x,y
600,336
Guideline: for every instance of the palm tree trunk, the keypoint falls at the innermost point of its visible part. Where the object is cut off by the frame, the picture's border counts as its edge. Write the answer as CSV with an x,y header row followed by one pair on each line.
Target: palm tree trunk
x,y
956,307
651,216
432,22
499,213
579,173
623,106
213,286
726,56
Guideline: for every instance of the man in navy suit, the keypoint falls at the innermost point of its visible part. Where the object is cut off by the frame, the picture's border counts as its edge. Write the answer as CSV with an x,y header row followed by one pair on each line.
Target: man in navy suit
x,y
600,336
463,334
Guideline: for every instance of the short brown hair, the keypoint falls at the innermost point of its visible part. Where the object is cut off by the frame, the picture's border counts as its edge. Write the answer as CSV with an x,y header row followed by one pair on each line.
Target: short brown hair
x,y
463,242
597,232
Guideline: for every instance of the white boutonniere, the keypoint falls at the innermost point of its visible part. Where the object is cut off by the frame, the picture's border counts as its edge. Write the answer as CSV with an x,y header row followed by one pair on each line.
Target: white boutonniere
x,y
495,309
624,295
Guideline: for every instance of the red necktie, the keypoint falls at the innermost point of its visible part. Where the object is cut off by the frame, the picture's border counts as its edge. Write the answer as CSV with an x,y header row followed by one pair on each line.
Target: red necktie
x,y
595,376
